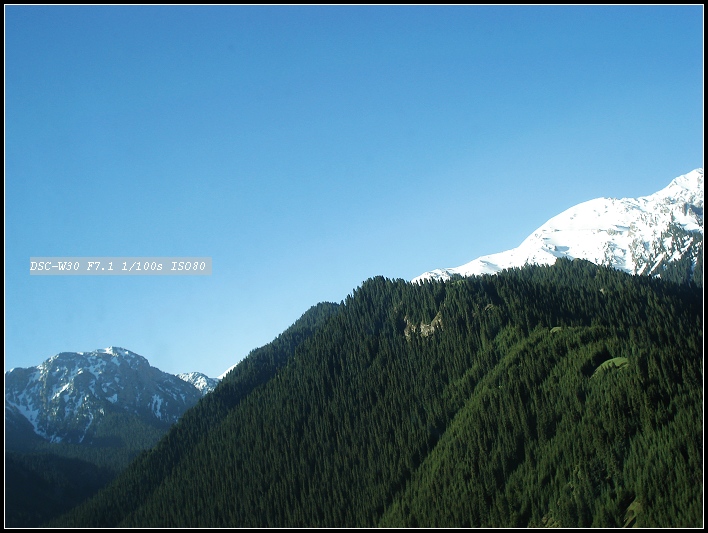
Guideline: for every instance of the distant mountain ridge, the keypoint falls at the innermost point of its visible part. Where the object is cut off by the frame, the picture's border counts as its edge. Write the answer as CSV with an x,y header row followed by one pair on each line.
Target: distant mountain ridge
x,y
64,397
644,235
202,382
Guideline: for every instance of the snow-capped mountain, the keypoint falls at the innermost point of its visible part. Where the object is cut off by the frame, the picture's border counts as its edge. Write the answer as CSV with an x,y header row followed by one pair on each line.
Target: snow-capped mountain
x,y
66,396
223,374
637,235
202,382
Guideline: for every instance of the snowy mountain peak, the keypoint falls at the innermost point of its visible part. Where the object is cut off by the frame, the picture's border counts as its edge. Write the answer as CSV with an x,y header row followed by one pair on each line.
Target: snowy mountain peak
x,y
64,397
637,235
687,188
223,374
116,351
202,382
685,192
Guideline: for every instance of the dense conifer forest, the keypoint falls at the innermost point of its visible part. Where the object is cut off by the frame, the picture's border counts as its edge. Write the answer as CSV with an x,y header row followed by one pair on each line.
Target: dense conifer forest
x,y
46,479
568,395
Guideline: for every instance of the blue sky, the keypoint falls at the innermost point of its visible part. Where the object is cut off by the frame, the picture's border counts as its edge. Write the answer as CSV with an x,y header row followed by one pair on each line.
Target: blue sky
x,y
306,149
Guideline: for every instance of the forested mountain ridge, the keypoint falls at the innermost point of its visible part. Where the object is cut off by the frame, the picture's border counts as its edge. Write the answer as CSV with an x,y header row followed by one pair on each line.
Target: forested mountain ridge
x,y
46,479
530,397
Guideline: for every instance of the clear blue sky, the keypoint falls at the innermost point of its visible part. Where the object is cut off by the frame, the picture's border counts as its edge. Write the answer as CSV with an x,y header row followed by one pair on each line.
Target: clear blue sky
x,y
306,149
